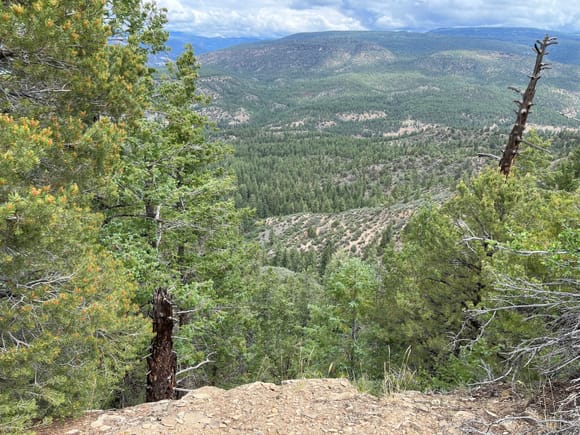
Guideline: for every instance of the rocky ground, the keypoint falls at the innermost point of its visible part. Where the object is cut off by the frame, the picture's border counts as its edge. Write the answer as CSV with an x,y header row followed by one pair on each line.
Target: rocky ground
x,y
314,406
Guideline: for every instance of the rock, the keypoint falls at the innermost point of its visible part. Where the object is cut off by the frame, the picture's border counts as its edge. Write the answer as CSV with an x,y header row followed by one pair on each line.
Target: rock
x,y
169,421
297,407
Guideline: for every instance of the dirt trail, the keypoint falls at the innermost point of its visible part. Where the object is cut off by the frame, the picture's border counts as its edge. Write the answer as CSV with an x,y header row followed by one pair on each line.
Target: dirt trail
x,y
311,406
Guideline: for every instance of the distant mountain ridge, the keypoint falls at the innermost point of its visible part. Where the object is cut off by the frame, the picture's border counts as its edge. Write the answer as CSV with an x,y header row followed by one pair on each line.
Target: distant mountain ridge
x,y
333,52
520,35
202,44
309,79
513,35
568,50
299,54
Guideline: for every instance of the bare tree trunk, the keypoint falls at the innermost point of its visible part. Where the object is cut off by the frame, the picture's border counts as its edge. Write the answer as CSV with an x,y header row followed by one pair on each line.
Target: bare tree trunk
x,y
162,361
524,106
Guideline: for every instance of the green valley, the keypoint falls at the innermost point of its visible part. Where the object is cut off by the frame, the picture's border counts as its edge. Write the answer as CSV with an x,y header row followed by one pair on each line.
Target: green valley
x,y
329,122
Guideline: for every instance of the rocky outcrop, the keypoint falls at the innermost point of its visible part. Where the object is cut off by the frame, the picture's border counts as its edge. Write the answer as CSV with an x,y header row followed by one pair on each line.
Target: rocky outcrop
x,y
310,406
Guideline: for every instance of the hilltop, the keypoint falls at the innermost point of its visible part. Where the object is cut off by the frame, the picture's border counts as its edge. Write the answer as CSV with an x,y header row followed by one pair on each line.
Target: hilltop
x,y
330,52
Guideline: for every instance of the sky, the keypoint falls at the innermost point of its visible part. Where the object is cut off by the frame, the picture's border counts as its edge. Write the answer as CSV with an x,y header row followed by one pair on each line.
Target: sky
x,y
276,18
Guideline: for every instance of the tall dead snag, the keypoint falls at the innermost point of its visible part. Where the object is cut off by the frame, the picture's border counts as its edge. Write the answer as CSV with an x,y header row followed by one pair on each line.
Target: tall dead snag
x,y
524,106
162,361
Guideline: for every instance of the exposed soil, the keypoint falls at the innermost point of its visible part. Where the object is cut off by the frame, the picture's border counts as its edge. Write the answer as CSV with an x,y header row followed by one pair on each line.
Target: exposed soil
x,y
312,406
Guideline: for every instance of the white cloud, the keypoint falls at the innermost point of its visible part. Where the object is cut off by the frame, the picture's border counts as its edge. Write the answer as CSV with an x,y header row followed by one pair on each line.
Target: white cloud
x,y
390,22
263,21
282,17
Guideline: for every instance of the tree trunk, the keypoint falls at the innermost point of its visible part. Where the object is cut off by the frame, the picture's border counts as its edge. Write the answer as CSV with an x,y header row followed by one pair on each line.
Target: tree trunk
x,y
524,106
162,361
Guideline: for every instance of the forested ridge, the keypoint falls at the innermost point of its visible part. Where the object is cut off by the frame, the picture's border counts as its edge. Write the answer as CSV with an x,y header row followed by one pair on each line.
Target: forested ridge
x,y
118,198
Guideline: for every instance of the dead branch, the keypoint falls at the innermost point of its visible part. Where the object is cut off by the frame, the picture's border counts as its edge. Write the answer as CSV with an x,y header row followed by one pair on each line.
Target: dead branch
x,y
528,143
527,253
492,380
524,105
569,117
491,156
555,352
198,365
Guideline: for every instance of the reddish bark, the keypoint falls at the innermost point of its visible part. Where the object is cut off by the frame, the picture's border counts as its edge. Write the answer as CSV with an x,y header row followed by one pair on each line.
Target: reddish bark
x,y
162,361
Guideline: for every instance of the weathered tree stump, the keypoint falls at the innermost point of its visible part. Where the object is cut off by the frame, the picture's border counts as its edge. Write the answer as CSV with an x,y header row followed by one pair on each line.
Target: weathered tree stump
x,y
162,361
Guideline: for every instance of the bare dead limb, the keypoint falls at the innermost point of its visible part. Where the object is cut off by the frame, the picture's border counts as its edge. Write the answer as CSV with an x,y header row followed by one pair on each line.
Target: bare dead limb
x,y
198,365
524,105
528,143
558,350
488,155
499,247
569,117
494,380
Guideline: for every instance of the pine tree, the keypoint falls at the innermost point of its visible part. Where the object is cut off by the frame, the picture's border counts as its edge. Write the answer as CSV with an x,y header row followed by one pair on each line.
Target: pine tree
x,y
340,320
69,329
174,210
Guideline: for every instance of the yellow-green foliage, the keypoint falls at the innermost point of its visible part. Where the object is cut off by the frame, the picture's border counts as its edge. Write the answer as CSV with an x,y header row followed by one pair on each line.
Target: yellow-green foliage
x,y
69,330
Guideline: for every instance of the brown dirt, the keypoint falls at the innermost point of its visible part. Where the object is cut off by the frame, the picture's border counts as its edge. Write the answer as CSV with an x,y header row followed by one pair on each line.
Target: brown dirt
x,y
310,406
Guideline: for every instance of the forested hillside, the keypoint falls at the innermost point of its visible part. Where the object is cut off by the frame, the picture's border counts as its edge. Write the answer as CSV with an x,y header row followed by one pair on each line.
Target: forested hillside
x,y
128,271
333,121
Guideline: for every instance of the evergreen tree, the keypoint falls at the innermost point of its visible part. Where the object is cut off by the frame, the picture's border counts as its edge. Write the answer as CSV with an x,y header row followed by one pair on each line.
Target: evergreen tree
x,y
174,213
69,331
451,260
339,328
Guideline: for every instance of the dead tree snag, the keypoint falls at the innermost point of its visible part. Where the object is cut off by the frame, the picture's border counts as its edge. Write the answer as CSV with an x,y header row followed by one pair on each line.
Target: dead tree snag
x,y
162,361
525,103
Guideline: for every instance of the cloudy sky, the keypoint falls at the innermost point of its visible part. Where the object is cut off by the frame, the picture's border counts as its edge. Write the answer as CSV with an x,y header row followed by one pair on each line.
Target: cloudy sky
x,y
274,18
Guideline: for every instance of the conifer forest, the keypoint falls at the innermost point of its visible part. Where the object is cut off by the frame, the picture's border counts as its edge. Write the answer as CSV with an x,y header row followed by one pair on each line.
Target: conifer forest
x,y
376,211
